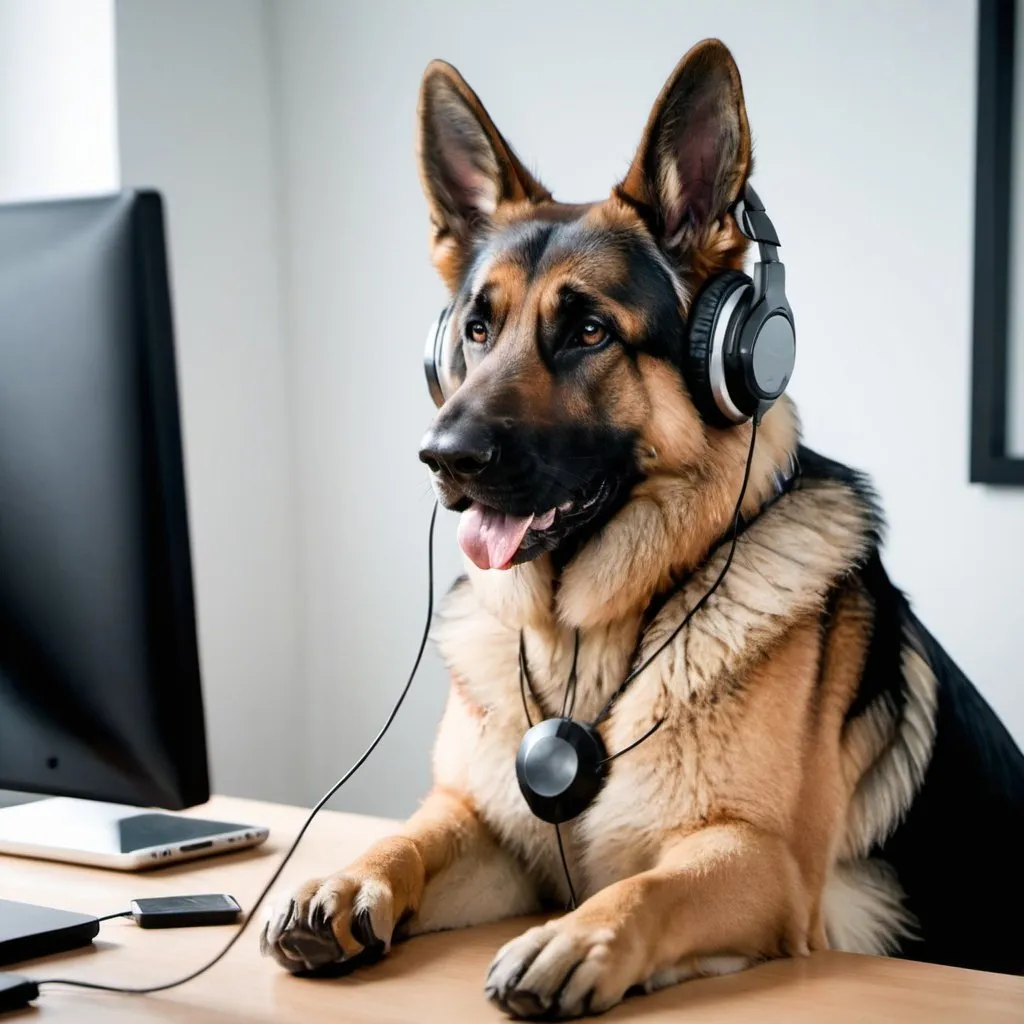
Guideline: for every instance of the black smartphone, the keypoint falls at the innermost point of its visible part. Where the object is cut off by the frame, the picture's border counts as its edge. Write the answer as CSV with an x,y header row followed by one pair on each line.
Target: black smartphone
x,y
186,911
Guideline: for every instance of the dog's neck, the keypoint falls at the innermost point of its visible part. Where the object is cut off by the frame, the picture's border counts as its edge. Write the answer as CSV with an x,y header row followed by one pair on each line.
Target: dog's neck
x,y
667,528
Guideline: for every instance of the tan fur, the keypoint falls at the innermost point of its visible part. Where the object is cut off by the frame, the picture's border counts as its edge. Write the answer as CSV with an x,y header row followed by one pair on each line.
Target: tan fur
x,y
863,905
888,756
672,520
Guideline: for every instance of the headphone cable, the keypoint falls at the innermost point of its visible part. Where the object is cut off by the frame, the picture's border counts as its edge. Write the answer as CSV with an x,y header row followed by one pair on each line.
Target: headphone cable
x,y
524,680
565,867
318,807
734,537
606,710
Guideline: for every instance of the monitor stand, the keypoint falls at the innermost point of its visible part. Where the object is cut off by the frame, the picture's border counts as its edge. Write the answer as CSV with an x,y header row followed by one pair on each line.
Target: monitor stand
x,y
116,836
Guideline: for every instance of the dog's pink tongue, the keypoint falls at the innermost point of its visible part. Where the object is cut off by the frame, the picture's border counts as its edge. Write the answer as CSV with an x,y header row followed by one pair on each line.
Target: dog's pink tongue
x,y
489,537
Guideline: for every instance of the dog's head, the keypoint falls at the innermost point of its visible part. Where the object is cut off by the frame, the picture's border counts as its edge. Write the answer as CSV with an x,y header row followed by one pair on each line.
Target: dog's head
x,y
569,321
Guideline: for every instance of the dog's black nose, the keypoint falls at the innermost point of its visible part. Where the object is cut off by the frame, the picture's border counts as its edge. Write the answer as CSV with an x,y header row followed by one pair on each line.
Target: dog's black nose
x,y
460,452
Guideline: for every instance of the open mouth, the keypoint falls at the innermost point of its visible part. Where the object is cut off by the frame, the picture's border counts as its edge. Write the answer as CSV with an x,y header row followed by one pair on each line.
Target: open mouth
x,y
497,540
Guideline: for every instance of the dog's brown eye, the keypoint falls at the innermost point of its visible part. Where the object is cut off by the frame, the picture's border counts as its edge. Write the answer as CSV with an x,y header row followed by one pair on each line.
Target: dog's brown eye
x,y
592,333
476,331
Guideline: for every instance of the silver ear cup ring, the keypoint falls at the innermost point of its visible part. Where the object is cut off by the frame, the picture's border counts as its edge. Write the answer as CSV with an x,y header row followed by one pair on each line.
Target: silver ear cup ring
x,y
435,358
716,357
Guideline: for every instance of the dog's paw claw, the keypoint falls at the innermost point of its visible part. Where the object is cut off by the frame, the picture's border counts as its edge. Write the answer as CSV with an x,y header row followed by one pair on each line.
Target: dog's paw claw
x,y
526,1004
557,971
329,924
362,930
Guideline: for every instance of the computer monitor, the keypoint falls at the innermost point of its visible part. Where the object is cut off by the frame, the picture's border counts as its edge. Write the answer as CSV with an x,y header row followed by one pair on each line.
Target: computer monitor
x,y
99,670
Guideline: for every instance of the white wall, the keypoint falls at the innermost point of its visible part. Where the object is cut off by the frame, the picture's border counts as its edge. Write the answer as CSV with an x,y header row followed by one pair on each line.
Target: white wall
x,y
58,124
194,95
360,300
863,114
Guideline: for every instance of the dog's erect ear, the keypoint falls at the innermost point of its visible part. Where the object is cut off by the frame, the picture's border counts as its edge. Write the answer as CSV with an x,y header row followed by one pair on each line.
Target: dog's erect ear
x,y
466,167
695,153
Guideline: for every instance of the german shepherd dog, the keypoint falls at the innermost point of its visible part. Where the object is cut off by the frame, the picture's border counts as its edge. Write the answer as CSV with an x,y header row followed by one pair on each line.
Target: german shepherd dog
x,y
824,775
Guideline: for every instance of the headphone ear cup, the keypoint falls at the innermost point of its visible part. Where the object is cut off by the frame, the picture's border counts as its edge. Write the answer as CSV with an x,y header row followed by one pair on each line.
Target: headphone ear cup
x,y
444,362
704,315
430,368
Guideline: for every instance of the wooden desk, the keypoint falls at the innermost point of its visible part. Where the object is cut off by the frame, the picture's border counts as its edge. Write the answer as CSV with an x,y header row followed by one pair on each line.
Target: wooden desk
x,y
431,979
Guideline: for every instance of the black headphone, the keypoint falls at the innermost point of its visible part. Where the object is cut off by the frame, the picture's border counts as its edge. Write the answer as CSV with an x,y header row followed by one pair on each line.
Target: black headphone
x,y
741,343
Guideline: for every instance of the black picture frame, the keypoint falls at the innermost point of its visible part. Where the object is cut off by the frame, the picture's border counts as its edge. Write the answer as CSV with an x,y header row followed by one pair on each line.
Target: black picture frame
x,y
991,463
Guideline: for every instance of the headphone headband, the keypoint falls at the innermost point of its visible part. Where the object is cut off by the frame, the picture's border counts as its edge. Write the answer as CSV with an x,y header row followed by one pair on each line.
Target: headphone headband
x,y
754,222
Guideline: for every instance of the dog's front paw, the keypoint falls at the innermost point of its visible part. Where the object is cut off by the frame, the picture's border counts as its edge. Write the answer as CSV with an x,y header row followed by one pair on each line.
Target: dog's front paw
x,y
565,968
330,922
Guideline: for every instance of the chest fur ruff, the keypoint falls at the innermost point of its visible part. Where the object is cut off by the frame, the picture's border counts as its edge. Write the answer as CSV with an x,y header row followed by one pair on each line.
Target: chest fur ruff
x,y
699,760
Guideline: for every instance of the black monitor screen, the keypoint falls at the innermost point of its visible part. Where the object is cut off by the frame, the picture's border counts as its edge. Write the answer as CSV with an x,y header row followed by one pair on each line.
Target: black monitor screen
x,y
99,675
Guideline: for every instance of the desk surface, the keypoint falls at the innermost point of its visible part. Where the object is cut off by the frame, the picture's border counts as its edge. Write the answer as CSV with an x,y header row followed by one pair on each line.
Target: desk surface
x,y
434,978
